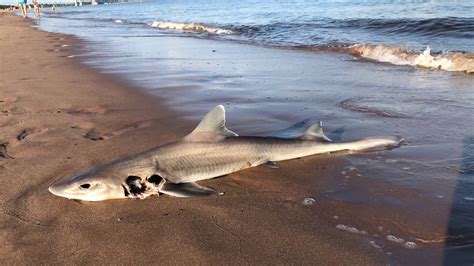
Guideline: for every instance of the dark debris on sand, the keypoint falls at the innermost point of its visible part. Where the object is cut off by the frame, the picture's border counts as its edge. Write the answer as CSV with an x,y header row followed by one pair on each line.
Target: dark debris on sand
x,y
93,135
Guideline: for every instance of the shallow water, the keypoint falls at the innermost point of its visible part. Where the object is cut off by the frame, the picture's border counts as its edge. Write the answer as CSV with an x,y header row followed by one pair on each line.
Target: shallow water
x,y
433,34
444,25
266,90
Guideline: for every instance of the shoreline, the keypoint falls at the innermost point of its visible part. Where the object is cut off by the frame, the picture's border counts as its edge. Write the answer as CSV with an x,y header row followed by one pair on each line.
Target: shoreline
x,y
40,120
367,207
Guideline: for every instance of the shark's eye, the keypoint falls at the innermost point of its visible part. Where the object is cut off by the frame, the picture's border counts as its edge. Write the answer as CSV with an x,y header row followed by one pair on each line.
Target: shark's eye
x,y
86,186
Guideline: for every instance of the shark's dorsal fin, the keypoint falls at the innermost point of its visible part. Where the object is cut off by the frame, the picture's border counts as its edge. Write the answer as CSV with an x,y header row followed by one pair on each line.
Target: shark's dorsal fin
x,y
315,132
211,128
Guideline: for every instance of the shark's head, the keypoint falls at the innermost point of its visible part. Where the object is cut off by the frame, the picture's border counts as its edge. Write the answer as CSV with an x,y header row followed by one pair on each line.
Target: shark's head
x,y
95,185
129,178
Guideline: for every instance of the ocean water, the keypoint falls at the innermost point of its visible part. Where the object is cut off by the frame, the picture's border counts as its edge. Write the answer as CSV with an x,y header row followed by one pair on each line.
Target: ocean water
x,y
362,67
444,25
407,27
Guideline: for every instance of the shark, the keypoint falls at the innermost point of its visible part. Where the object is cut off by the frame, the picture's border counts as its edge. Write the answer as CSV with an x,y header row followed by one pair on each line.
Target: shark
x,y
209,151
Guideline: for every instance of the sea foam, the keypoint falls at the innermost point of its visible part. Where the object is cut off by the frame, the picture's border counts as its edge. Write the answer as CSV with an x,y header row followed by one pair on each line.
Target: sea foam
x,y
191,27
452,61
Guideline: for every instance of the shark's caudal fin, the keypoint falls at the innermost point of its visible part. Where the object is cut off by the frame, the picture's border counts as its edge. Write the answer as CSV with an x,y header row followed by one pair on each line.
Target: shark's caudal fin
x,y
211,128
370,143
315,132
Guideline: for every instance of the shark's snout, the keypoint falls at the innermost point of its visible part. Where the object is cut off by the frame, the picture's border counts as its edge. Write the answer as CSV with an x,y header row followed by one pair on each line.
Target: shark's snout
x,y
89,187
52,190
58,189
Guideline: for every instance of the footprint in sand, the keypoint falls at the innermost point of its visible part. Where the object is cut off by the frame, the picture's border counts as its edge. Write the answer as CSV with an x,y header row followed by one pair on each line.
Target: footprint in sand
x,y
6,100
10,122
89,110
28,132
3,151
12,110
84,125
95,135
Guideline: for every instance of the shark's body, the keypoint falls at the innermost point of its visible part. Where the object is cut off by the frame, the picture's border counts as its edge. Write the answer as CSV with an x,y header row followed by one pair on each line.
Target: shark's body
x,y
211,150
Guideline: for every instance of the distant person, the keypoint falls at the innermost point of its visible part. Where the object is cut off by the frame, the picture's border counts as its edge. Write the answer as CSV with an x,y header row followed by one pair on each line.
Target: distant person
x,y
36,6
53,8
22,6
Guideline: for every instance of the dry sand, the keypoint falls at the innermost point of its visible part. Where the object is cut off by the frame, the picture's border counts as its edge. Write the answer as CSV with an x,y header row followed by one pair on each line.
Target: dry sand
x,y
59,118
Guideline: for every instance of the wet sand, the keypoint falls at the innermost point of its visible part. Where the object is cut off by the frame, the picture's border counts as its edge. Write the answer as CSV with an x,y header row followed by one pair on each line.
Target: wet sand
x,y
412,205
59,118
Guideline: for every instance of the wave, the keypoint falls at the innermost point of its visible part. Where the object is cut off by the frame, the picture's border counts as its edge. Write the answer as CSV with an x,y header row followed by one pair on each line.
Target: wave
x,y
454,27
192,27
451,61
433,27
353,105
298,36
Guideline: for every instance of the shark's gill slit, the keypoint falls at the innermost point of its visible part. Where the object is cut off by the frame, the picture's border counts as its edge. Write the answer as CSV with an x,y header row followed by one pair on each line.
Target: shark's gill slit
x,y
140,188
135,185
155,179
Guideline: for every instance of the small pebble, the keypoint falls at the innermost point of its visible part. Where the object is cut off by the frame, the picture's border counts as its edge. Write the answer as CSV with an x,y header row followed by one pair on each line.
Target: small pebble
x,y
374,244
309,201
395,239
351,168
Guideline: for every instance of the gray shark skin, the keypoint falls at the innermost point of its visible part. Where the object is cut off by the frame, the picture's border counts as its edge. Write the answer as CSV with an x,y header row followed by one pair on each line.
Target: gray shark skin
x,y
210,151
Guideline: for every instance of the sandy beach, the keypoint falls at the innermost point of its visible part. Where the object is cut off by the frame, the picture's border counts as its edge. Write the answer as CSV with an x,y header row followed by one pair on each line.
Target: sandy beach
x,y
59,118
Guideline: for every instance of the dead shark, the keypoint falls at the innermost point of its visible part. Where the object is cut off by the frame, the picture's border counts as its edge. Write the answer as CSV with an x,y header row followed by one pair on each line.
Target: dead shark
x,y
210,151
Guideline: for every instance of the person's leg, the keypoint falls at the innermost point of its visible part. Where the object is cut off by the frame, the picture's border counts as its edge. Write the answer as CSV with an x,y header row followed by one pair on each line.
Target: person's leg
x,y
23,10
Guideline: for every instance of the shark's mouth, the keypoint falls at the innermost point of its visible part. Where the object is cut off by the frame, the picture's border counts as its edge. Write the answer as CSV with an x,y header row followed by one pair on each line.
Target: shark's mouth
x,y
136,187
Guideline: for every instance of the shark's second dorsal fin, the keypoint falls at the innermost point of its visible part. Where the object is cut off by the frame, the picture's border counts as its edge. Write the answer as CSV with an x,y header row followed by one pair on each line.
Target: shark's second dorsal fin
x,y
211,128
315,132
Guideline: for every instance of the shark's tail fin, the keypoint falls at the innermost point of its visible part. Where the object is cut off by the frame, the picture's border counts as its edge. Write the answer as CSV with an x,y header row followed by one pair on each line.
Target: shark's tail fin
x,y
373,143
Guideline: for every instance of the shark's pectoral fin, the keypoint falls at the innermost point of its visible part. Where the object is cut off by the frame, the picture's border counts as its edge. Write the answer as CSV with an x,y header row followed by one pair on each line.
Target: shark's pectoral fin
x,y
271,164
315,132
211,128
188,190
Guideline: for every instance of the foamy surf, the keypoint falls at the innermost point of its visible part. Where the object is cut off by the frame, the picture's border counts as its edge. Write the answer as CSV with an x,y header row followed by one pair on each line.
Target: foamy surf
x,y
191,27
451,61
